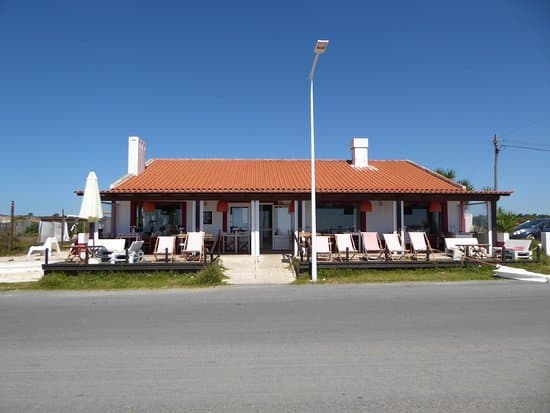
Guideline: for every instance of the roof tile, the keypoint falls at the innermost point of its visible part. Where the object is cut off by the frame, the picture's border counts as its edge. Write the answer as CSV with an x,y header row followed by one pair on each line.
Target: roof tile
x,y
240,175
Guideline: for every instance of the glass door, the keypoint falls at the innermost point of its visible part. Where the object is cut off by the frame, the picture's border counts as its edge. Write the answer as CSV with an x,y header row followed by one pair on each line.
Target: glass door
x,y
266,227
282,226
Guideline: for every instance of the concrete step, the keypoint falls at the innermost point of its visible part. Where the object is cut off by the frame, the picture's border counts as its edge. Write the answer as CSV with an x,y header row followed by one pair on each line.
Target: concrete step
x,y
265,269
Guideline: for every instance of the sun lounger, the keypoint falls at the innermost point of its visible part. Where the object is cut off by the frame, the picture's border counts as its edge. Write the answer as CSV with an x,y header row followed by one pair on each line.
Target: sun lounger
x,y
193,249
345,246
420,245
165,246
372,245
323,247
394,246
109,244
132,255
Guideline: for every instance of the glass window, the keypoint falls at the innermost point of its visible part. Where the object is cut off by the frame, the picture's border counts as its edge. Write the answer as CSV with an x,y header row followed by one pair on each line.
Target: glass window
x,y
164,220
419,218
282,220
416,218
239,219
331,219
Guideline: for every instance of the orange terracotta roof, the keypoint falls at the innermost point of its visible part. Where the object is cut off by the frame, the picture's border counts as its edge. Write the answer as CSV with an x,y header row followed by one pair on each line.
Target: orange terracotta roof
x,y
280,176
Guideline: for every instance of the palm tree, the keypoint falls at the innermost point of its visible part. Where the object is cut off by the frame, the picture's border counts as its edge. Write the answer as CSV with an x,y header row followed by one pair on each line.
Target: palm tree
x,y
506,221
451,174
447,173
466,184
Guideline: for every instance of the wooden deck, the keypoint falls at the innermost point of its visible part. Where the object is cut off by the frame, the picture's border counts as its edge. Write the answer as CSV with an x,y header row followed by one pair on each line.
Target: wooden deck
x,y
301,265
147,265
437,260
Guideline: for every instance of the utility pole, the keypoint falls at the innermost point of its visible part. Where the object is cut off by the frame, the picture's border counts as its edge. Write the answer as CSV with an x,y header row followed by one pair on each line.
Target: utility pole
x,y
62,226
12,226
498,145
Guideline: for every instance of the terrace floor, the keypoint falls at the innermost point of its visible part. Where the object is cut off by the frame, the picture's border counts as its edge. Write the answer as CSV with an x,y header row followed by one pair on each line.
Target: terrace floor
x,y
272,268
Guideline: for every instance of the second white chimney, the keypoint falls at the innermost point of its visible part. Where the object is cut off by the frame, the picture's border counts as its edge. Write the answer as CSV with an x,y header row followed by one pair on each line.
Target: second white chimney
x,y
136,155
359,152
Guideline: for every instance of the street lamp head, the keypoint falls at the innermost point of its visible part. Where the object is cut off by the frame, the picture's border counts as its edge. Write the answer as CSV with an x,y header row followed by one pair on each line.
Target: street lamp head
x,y
321,46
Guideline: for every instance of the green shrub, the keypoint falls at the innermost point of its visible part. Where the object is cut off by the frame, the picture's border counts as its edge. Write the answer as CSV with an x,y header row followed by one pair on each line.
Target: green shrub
x,y
210,275
110,280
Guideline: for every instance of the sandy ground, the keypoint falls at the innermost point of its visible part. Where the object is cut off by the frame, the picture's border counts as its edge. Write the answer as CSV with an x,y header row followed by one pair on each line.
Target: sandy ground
x,y
21,268
240,269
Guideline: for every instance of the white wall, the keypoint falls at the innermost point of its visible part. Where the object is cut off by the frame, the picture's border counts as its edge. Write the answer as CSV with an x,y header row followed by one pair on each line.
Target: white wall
x,y
545,238
381,218
468,222
122,217
217,217
454,216
190,216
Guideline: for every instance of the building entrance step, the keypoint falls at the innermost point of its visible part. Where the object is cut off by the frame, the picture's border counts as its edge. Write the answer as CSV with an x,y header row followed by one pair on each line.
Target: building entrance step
x,y
265,269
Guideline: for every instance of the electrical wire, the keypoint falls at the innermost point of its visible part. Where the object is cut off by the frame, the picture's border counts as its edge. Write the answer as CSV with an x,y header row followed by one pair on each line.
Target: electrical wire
x,y
530,148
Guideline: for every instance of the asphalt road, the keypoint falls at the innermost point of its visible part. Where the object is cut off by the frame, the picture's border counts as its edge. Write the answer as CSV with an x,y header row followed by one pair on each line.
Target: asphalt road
x,y
472,347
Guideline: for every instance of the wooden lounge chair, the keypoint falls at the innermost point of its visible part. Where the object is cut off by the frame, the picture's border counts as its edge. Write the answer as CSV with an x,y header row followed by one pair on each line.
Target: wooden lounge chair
x,y
165,245
372,245
345,246
324,250
194,246
420,245
304,239
394,246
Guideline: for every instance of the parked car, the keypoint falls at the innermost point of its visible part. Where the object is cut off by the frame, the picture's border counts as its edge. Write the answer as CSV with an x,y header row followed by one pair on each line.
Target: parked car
x,y
531,229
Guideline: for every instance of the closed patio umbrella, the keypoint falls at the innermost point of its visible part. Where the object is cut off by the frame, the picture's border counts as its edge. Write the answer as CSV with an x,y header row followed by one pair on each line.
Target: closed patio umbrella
x,y
91,202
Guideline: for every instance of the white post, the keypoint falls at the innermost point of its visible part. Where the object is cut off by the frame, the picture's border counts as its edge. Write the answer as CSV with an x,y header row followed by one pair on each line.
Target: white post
x,y
313,197
320,48
257,235
394,216
192,227
402,214
255,228
489,227
295,228
201,214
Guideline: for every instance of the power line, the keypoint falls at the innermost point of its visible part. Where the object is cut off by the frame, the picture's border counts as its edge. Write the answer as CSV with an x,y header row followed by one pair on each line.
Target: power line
x,y
529,124
529,148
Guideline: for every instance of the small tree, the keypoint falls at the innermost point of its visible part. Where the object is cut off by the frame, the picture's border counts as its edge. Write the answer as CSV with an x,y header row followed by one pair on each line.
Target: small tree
x,y
32,229
447,173
506,221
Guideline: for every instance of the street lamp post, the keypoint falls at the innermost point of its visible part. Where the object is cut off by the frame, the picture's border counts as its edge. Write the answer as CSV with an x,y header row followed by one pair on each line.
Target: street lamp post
x,y
320,48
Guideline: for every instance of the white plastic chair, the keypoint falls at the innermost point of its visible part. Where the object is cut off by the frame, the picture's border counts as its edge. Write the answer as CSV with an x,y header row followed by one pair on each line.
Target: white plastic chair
x,y
133,254
48,244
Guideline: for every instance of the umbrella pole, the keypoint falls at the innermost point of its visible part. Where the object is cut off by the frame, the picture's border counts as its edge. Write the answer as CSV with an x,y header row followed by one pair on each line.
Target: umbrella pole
x,y
92,231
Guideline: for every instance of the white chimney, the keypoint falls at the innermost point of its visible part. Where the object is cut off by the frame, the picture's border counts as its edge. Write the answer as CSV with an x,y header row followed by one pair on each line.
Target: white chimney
x,y
359,152
136,155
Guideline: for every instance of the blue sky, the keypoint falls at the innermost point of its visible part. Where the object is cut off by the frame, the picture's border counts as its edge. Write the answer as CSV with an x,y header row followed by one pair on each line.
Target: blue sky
x,y
429,81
